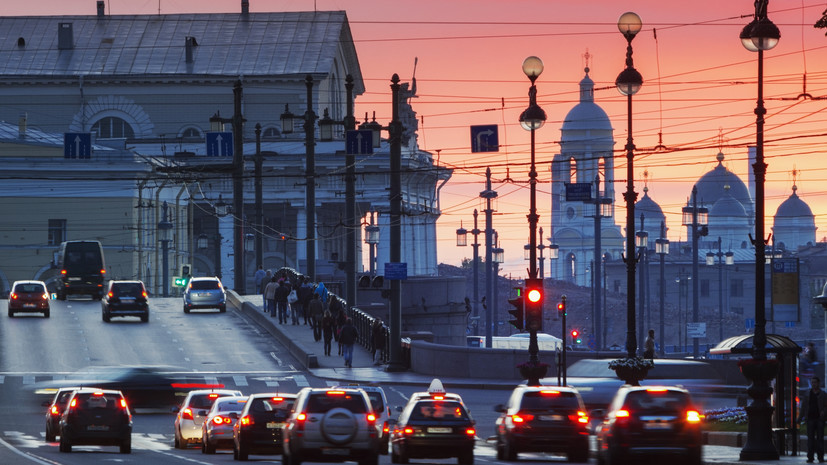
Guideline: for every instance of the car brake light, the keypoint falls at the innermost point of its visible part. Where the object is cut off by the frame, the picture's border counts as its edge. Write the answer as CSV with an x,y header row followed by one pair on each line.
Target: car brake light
x,y
470,431
335,393
655,389
438,397
692,416
300,418
517,418
550,393
278,399
408,430
63,272
218,419
73,404
186,414
580,417
13,296
97,393
54,410
44,296
123,403
371,418
622,414
246,420
143,294
385,428
103,271
213,396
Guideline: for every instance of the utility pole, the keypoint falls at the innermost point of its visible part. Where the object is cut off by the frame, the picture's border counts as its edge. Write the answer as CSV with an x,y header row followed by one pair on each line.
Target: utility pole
x,y
259,229
238,192
350,203
310,177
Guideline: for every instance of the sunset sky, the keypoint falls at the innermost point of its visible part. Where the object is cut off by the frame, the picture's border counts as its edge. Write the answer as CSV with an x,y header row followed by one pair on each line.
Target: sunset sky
x,y
699,91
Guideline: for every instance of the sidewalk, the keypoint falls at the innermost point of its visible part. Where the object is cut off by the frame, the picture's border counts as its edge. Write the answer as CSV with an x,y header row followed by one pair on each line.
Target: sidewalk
x,y
299,340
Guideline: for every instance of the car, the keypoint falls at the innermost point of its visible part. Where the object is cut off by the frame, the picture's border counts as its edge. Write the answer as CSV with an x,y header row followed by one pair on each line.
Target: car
x,y
435,391
217,429
29,297
55,410
143,386
125,298
331,425
379,402
543,419
82,269
259,427
96,417
205,293
190,415
433,428
597,383
650,421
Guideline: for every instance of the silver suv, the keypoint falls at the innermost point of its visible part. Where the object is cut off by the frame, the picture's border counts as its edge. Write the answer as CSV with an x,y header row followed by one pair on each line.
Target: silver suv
x,y
205,293
331,425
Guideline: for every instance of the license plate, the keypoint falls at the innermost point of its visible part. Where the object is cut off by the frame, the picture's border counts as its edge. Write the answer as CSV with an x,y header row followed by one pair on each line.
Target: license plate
x,y
204,294
128,299
97,428
657,426
335,451
551,418
74,279
439,430
275,424
29,305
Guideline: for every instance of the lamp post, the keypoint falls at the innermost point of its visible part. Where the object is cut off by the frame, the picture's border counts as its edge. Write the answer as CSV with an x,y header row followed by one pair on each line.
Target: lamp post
x,y
602,209
662,249
497,257
759,35
488,194
628,82
683,294
164,232
531,119
372,239
642,242
710,261
259,224
237,121
461,242
541,247
695,218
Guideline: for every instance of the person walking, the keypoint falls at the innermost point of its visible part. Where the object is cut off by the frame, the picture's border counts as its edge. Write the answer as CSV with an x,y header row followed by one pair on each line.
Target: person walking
x,y
259,278
269,295
341,318
305,293
268,276
280,298
328,327
814,412
378,339
649,345
316,310
347,337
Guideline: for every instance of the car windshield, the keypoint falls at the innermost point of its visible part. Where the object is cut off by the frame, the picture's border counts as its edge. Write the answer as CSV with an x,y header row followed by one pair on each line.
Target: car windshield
x,y
376,401
549,399
271,404
29,288
438,410
204,285
202,401
230,406
321,403
92,401
128,289
663,401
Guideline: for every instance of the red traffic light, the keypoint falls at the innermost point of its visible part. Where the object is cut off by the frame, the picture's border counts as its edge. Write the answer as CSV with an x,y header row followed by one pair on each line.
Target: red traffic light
x,y
574,333
534,295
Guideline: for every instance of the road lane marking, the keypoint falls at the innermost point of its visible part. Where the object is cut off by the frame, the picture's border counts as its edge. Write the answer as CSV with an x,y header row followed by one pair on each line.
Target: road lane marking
x,y
28,379
27,455
301,381
240,380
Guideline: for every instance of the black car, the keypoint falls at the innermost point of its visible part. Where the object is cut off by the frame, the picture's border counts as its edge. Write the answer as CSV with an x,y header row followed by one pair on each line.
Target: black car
x,y
650,421
431,428
96,417
125,298
258,430
55,411
543,419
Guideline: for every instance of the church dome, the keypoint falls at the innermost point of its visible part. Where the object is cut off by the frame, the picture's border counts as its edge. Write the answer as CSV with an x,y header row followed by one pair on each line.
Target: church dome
x,y
727,206
712,187
793,207
651,211
586,115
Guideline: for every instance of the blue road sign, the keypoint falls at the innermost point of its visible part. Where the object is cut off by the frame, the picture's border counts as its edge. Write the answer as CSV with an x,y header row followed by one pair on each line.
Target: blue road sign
x,y
77,145
220,144
578,191
359,142
396,270
484,138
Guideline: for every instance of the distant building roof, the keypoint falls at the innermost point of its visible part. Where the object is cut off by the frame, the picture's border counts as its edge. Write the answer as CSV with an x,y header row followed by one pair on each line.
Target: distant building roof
x,y
586,115
226,44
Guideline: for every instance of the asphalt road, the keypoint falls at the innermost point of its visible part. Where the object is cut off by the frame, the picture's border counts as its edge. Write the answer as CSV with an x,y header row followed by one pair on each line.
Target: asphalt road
x,y
224,348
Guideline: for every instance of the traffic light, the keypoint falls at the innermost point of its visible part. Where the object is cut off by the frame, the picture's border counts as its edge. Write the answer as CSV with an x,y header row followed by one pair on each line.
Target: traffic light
x,y
186,275
561,308
517,312
534,297
575,337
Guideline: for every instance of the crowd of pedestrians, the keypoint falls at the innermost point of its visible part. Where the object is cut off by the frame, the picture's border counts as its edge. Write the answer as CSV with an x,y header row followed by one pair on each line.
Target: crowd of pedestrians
x,y
303,304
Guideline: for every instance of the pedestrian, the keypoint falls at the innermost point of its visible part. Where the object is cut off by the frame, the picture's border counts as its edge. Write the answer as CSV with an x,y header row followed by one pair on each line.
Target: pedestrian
x,y
347,337
280,298
268,277
269,296
328,327
341,319
293,301
649,345
316,310
814,412
305,293
259,277
378,337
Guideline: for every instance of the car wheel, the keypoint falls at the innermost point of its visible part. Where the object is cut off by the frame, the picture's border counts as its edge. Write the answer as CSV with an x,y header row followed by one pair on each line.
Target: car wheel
x,y
11,314
509,452
292,459
615,458
579,455
206,447
243,455
46,314
500,450
61,296
126,446
394,457
467,458
145,318
176,442
694,458
186,310
371,460
222,308
403,457
600,459
64,444
106,317
50,436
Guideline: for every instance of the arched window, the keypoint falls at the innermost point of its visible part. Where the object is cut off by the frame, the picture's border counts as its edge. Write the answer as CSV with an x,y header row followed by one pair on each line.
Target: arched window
x,y
571,264
112,127
191,133
270,133
572,170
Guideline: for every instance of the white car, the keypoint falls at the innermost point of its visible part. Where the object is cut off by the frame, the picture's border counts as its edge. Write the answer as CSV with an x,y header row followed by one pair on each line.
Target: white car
x,y
217,430
381,409
190,416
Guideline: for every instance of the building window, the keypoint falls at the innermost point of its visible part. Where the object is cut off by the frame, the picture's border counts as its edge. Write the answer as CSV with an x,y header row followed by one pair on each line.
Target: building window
x,y
704,288
112,127
57,232
736,288
191,133
270,133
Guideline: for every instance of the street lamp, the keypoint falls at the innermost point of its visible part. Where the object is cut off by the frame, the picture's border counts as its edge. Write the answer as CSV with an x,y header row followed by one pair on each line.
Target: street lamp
x,y
497,257
489,195
761,34
662,249
531,119
602,209
372,239
164,236
710,261
475,264
695,219
642,242
628,82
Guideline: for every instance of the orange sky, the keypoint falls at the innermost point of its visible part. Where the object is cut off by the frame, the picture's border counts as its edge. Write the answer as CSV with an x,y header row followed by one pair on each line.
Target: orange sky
x,y
699,88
